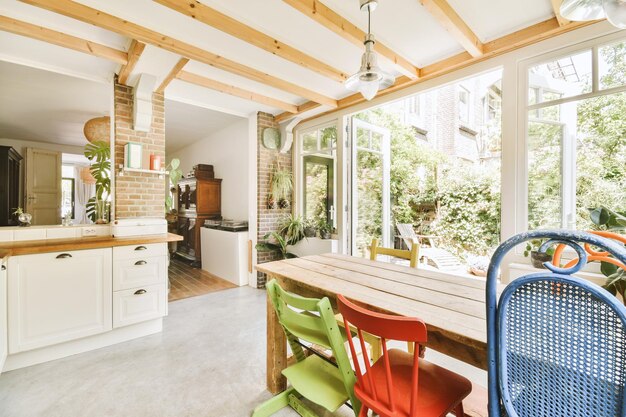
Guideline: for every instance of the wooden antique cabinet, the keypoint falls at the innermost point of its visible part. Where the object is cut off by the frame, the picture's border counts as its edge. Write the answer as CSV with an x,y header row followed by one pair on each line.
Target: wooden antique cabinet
x,y
199,199
10,162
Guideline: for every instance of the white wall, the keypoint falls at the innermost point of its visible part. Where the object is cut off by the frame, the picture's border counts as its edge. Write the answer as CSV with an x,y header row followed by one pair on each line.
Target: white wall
x,y
227,150
21,145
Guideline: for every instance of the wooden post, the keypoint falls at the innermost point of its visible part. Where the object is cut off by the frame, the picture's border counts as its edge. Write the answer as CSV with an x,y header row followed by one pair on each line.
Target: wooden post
x,y
276,351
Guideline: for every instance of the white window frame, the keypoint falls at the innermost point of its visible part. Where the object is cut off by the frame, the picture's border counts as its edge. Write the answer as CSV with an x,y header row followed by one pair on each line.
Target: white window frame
x,y
468,110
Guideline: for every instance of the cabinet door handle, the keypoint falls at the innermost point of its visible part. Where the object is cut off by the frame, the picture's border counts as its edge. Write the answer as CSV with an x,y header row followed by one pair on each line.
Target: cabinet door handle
x,y
139,292
141,263
64,255
141,248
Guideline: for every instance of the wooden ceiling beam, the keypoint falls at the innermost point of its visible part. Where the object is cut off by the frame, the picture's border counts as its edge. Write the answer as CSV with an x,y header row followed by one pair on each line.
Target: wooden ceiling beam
x,y
233,27
455,25
41,33
134,53
528,36
123,27
556,6
235,91
172,74
342,27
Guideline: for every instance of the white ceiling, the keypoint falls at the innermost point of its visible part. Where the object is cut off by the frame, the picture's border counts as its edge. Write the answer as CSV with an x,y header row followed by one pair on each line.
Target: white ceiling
x,y
403,25
44,106
186,124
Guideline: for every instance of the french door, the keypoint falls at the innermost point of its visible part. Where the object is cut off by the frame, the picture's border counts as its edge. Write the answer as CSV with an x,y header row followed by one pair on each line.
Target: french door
x,y
369,187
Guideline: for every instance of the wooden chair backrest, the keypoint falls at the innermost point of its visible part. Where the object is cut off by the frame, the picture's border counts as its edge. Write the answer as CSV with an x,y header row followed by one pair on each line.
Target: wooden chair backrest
x,y
411,255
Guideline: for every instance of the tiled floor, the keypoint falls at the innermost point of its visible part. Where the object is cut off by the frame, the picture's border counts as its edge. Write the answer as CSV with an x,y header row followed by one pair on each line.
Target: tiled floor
x,y
209,361
186,281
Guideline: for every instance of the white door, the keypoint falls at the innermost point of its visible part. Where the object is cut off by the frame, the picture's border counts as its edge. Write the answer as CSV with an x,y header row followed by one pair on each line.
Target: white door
x,y
60,296
3,315
370,178
43,185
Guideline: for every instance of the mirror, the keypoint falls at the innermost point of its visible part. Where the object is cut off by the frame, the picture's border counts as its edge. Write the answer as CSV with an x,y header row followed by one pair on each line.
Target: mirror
x,y
48,166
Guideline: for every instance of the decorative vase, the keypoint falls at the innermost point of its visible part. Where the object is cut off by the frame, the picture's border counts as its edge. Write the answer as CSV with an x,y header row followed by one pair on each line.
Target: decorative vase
x,y
102,212
24,219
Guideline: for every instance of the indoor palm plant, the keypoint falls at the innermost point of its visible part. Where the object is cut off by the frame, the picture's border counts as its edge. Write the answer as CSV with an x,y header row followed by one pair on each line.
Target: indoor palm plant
x,y
98,206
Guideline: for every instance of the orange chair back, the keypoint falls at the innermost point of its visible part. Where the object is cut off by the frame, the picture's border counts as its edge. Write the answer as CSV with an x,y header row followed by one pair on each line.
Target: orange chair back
x,y
593,255
382,397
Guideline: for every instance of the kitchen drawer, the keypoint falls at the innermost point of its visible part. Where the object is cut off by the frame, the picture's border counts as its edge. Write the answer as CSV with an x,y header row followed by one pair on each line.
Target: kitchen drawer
x,y
139,304
133,273
139,251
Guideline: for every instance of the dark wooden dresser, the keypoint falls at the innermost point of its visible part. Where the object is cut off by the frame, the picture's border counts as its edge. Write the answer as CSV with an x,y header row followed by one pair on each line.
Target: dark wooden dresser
x,y
199,199
10,162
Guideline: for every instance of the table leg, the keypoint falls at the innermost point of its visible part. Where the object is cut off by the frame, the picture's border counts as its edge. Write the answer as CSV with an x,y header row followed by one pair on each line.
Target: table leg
x,y
276,351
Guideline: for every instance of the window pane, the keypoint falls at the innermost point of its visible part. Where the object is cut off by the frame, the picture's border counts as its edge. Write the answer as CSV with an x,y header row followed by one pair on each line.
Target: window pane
x,y
362,138
369,174
564,77
544,175
309,141
612,65
316,177
329,138
377,142
600,156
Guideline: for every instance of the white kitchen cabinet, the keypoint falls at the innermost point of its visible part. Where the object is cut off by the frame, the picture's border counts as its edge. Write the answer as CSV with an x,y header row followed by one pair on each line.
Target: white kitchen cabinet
x,y
3,314
139,304
58,297
139,272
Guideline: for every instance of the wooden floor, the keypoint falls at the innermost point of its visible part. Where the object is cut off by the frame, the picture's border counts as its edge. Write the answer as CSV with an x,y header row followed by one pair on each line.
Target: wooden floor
x,y
186,281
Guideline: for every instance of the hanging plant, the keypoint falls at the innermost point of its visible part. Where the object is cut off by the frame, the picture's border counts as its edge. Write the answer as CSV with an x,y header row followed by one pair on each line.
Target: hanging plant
x,y
281,185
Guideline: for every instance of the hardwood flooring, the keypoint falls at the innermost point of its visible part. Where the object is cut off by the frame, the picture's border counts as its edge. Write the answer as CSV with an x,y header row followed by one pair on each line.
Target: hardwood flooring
x,y
186,281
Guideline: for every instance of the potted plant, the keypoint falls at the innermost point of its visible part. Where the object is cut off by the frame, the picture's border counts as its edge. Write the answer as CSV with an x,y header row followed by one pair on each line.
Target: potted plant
x,y
309,228
23,219
325,229
609,220
538,258
274,242
281,185
98,207
292,229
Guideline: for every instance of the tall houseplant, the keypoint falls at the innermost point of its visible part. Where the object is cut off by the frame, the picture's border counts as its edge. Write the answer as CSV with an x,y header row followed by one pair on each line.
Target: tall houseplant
x,y
99,154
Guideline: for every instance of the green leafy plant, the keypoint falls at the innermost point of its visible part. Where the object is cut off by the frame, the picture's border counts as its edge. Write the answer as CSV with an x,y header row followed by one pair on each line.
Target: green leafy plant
x,y
325,228
310,228
609,220
274,242
292,229
281,185
99,154
534,245
175,174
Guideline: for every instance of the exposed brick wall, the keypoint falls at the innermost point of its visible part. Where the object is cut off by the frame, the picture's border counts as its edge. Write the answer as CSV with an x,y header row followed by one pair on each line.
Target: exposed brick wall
x,y
138,194
267,219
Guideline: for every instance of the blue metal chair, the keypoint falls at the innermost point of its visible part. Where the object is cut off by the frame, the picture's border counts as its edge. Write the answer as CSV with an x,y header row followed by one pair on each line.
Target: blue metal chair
x,y
556,343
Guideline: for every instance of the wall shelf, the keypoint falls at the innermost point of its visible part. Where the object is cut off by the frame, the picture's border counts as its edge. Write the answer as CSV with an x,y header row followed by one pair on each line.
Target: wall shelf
x,y
123,169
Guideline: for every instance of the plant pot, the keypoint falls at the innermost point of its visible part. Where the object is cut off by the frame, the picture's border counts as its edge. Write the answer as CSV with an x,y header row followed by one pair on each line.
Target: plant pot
x,y
478,272
310,231
538,258
284,204
325,235
271,203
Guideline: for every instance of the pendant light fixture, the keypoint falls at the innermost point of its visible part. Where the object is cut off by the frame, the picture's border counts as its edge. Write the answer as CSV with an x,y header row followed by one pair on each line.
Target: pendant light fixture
x,y
581,10
370,78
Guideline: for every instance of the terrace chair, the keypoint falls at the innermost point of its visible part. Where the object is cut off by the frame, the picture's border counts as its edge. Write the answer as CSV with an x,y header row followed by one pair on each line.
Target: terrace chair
x,y
438,257
400,384
556,342
324,383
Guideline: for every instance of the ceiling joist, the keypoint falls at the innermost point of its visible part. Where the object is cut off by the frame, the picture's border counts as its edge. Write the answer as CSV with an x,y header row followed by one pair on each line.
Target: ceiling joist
x,y
528,36
227,24
29,30
556,6
336,23
172,74
134,53
452,22
235,91
123,27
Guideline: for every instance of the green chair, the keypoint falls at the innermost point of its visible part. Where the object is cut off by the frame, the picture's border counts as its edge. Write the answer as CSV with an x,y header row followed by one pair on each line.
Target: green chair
x,y
328,385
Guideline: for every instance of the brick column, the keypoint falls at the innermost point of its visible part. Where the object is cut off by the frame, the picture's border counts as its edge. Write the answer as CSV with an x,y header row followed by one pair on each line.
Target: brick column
x,y
267,219
138,194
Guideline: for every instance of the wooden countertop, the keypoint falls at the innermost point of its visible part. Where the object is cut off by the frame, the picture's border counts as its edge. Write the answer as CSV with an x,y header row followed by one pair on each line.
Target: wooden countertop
x,y
28,247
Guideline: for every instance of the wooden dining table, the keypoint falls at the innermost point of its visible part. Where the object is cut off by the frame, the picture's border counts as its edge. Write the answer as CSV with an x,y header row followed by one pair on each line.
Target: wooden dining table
x,y
453,307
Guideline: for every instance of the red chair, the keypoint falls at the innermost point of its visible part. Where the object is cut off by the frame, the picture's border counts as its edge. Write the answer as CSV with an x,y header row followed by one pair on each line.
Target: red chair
x,y
399,384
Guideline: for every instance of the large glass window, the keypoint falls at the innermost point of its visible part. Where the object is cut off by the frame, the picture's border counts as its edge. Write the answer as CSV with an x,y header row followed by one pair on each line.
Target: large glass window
x,y
318,149
576,137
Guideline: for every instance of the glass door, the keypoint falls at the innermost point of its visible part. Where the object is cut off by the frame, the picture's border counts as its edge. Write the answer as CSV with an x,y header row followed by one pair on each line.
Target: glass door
x,y
370,199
